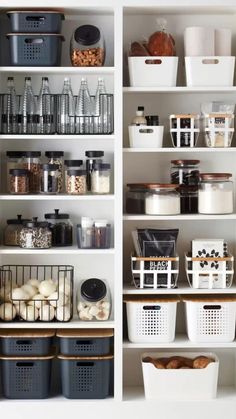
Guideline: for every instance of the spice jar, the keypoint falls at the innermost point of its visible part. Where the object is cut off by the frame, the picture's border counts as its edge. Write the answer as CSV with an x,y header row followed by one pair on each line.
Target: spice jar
x,y
56,157
185,172
32,162
50,179
19,181
35,235
93,158
76,182
14,161
162,199
94,300
71,164
135,198
61,228
215,195
12,231
100,178
188,199
87,48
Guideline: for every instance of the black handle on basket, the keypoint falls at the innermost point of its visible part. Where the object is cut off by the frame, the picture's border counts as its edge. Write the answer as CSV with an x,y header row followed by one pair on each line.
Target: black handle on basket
x,y
84,342
34,40
152,308
24,364
24,342
35,18
85,364
212,307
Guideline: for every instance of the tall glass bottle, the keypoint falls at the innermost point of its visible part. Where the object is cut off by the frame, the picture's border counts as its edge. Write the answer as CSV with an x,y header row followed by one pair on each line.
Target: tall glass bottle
x,y
28,109
101,89
83,109
44,108
11,109
67,108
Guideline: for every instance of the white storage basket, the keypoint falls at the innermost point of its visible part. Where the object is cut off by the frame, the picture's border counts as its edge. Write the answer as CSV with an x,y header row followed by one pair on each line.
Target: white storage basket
x,y
182,136
151,319
221,278
209,71
153,71
146,137
210,319
180,384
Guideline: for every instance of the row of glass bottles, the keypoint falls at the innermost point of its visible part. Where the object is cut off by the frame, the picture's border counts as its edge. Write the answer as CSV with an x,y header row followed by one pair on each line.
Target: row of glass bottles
x,y
34,114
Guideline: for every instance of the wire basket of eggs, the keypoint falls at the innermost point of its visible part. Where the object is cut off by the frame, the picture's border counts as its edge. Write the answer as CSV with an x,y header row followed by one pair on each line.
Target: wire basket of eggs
x,y
36,293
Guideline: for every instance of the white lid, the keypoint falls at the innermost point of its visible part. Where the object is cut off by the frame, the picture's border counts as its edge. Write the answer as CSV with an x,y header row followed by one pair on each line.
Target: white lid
x,y
100,223
86,222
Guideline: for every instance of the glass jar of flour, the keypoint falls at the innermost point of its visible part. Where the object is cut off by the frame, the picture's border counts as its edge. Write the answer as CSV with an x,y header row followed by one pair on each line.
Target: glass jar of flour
x,y
215,195
162,199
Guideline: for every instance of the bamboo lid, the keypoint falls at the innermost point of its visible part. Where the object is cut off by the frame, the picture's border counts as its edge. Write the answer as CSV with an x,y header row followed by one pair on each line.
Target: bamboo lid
x,y
27,358
26,333
151,299
85,358
85,333
210,299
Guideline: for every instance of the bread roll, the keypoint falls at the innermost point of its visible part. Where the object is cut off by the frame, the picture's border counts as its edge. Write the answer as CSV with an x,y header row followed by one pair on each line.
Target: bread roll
x,y
202,362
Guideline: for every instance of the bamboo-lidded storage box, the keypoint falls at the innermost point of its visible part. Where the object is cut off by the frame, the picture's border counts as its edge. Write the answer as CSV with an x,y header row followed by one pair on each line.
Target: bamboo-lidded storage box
x,y
85,342
26,342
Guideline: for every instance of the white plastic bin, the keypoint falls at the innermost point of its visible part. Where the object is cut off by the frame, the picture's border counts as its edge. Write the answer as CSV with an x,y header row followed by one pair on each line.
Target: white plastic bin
x,y
209,71
146,137
180,384
210,319
153,71
151,319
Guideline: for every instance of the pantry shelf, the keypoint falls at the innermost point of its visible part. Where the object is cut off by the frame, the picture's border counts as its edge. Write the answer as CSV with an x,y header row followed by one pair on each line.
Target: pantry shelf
x,y
181,217
180,150
181,290
45,138
180,89
70,250
59,70
181,341
73,324
41,197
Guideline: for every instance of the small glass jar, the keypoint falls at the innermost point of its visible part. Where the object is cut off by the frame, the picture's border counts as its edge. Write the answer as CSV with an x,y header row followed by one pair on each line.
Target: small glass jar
x,y
56,157
35,235
215,195
12,231
162,199
93,158
32,162
100,178
185,172
135,198
87,48
61,228
19,181
50,179
71,165
188,199
14,161
76,182
93,234
94,300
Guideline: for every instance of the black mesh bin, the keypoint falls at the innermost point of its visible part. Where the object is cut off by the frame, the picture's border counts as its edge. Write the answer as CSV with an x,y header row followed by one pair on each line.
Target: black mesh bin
x,y
38,22
29,342
85,342
85,377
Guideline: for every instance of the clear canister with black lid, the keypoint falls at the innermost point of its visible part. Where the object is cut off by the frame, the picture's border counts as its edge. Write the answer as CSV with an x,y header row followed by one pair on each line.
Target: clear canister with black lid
x,y
35,235
135,198
94,300
12,231
87,47
61,228
50,179
56,157
93,157
71,164
32,162
14,161
185,172
19,181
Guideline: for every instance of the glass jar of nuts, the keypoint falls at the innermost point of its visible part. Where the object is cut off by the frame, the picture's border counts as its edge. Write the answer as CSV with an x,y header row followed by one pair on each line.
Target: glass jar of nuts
x,y
87,48
76,182
12,231
35,235
19,181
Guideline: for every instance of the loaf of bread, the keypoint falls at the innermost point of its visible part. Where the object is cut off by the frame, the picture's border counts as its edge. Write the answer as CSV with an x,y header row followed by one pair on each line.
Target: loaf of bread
x,y
138,49
161,44
179,362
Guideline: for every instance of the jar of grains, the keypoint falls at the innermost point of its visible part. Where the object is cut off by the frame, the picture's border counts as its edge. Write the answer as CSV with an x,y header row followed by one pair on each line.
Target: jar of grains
x,y
87,48
94,300
19,181
76,182
61,228
56,157
12,231
135,198
185,172
50,179
71,164
35,235
162,199
32,162
100,178
215,195
14,161
93,157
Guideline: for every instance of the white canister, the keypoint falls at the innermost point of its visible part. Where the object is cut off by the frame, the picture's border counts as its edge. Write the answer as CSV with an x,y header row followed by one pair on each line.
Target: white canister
x,y
215,195
199,41
162,199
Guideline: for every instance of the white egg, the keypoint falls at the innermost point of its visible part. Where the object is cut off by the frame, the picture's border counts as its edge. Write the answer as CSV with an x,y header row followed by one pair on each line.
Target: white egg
x,y
65,286
28,289
34,282
19,305
4,292
46,313
57,301
85,315
94,310
7,312
63,313
19,294
47,287
29,313
37,301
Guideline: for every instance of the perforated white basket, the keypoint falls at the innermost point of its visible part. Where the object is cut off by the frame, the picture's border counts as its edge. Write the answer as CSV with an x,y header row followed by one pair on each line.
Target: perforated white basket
x,y
151,319
211,320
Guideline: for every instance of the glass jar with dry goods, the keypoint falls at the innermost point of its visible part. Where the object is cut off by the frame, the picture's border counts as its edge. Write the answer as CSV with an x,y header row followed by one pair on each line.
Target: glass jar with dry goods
x,y
56,157
61,228
14,161
188,199
50,179
73,165
93,300
100,178
162,199
215,194
135,198
35,235
12,231
19,181
32,162
93,157
87,48
185,172
76,182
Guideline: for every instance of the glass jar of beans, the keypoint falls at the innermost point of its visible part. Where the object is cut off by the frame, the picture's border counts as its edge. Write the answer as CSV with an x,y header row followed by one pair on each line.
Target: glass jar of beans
x,y
32,163
76,182
87,48
56,157
19,181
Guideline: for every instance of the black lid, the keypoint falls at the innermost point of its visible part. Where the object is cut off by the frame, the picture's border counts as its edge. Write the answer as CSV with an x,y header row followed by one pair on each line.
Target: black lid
x,y
56,216
93,289
102,166
140,108
152,119
87,35
54,153
76,172
32,153
27,78
10,78
19,172
92,153
48,166
15,153
18,220
73,163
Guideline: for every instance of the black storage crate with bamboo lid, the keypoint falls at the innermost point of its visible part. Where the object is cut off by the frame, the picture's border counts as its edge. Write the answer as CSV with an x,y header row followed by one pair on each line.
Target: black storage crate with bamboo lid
x,y
85,342
26,342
